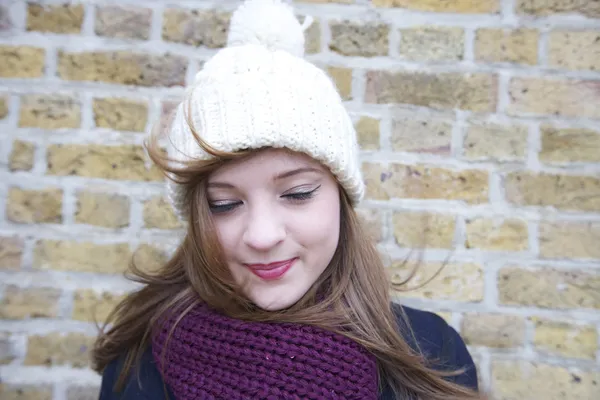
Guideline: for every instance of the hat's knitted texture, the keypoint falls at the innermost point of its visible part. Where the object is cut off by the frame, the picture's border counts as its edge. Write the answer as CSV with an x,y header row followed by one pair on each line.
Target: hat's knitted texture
x,y
259,92
211,356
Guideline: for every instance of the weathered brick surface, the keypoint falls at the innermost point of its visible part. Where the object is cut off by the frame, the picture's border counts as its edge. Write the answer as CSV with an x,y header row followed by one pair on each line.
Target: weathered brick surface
x,y
106,210
19,303
98,161
11,252
92,306
81,256
61,18
21,61
493,330
428,43
498,45
421,134
509,142
367,130
123,22
34,206
458,282
475,92
424,182
549,7
498,235
560,97
564,239
196,27
158,214
561,338
59,349
123,68
21,156
549,288
420,230
560,191
357,39
478,128
120,114
530,380
50,111
456,6
569,145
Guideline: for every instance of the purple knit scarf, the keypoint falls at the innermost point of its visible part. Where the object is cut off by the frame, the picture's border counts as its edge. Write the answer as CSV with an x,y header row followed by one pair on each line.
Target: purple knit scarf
x,y
211,356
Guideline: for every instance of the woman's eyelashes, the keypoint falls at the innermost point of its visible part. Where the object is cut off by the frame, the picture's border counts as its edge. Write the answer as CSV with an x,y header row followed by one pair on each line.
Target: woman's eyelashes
x,y
296,195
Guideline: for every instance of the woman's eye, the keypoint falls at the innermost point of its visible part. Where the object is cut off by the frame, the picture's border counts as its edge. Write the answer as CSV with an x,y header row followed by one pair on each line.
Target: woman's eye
x,y
301,195
219,208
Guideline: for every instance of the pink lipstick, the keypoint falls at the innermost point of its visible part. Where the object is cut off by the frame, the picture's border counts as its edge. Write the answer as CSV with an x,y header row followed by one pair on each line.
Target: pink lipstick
x,y
272,271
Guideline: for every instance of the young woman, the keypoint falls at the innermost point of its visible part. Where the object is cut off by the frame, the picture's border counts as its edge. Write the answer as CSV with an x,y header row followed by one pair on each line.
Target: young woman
x,y
275,291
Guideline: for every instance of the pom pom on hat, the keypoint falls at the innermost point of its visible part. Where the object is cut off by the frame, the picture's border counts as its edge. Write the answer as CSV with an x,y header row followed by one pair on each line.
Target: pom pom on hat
x,y
269,23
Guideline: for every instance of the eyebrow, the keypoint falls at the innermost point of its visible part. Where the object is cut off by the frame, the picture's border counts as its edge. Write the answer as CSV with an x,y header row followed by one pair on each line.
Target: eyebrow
x,y
280,176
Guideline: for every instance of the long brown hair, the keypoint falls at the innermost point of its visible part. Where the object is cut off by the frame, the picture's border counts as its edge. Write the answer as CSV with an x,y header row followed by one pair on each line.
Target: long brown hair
x,y
351,297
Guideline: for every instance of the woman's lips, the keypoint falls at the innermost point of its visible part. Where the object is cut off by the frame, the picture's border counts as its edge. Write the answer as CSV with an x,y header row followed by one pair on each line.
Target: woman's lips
x,y
271,271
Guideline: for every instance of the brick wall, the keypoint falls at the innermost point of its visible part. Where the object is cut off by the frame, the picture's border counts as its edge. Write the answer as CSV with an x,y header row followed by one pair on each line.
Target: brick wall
x,y
479,121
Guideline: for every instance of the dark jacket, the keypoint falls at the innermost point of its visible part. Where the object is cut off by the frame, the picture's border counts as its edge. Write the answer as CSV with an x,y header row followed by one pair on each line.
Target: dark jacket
x,y
436,339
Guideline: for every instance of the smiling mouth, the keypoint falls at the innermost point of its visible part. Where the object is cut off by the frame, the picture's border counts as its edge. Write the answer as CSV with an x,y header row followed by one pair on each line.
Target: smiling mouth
x,y
271,271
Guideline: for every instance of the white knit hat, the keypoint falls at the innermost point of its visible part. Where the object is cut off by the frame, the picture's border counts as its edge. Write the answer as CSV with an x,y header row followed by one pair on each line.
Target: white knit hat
x,y
259,92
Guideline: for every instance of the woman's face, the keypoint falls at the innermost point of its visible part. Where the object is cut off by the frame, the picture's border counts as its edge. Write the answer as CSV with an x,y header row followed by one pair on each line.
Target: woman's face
x,y
277,215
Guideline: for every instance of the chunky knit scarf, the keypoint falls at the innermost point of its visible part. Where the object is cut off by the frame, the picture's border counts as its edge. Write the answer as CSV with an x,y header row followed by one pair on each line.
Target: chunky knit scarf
x,y
210,356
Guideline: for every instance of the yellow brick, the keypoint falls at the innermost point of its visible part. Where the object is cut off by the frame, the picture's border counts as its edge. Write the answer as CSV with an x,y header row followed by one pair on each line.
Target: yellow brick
x,y
11,252
49,111
564,239
34,206
493,330
123,22
3,107
555,97
21,61
8,350
489,141
372,222
458,282
536,381
63,18
569,145
424,182
342,77
564,192
81,256
20,303
367,130
501,45
574,50
496,234
25,392
444,90
159,214
564,339
83,393
312,43
123,67
196,27
94,307
421,134
549,7
126,162
59,349
429,43
21,157
121,114
107,210
150,258
367,39
549,288
420,230
449,6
